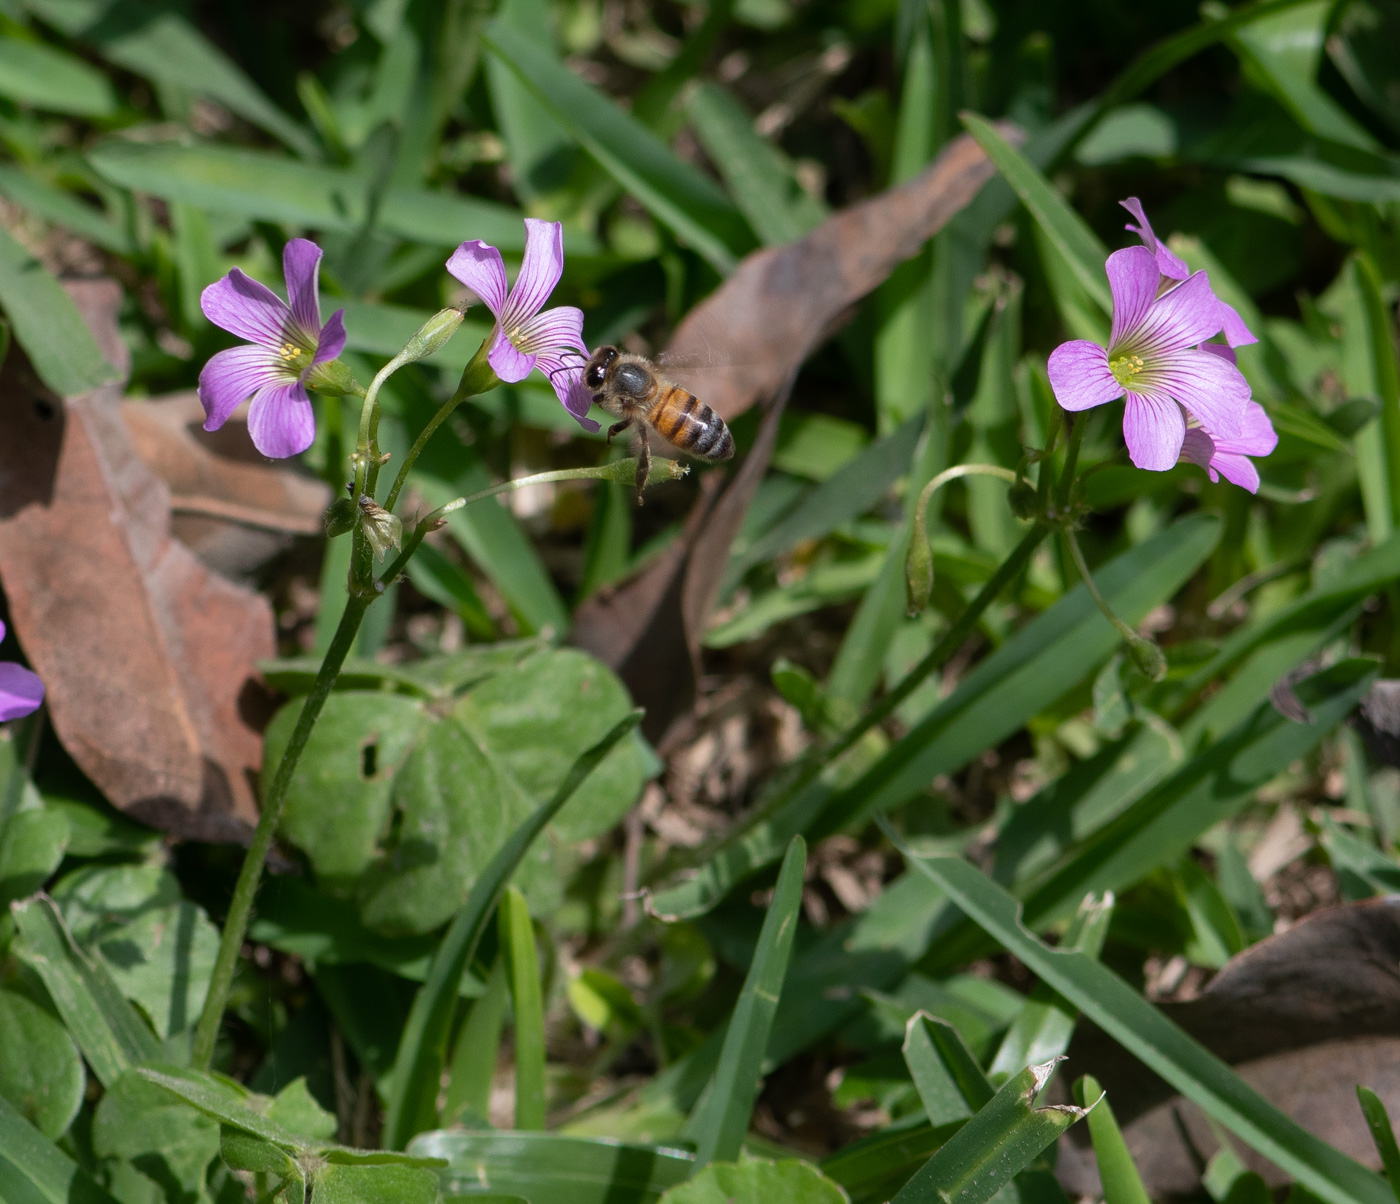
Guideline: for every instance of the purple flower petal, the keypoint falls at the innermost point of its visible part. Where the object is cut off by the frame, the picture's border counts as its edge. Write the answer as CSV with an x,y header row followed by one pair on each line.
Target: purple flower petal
x,y
553,330
1209,386
1132,278
1220,349
281,421
1154,429
508,363
566,375
21,691
233,376
245,307
1079,375
1167,262
1237,334
540,269
332,339
1187,315
301,259
478,265
1257,436
3,629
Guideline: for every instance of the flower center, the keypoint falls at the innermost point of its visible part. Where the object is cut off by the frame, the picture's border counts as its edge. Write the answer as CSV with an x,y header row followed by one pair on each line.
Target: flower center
x,y
1124,368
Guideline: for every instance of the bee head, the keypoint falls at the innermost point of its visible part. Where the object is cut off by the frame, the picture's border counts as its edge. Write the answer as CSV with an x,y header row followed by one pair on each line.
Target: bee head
x,y
597,369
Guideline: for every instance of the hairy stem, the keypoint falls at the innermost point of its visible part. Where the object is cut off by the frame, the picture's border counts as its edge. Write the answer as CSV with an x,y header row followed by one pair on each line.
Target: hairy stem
x,y
241,906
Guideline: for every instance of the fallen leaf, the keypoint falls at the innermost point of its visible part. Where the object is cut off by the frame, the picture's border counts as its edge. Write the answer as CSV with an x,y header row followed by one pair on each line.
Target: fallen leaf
x,y
752,335
232,507
1304,1016
148,656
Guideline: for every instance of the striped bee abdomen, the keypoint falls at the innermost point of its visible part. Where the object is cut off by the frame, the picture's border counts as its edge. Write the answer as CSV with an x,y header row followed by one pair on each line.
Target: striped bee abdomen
x,y
686,421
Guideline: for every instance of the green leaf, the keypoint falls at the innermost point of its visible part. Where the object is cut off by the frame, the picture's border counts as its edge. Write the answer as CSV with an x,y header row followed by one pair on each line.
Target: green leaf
x,y
339,1183
760,182
1156,1041
676,193
453,808
757,1181
34,73
1387,377
1004,1138
1065,229
106,1027
854,488
1284,51
338,802
1165,822
32,1168
721,1119
296,1110
158,947
264,187
1383,1134
412,1098
41,1071
477,1050
1117,1172
548,1168
539,715
1027,673
1361,869
31,846
949,1081
64,209
874,1168
166,1141
517,937
1043,1027
48,324
164,46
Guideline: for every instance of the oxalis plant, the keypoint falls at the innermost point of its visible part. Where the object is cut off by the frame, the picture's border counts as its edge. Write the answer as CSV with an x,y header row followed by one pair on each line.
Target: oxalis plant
x,y
289,351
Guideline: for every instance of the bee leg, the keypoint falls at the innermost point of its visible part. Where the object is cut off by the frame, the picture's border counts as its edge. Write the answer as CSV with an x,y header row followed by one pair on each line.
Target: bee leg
x,y
643,465
618,427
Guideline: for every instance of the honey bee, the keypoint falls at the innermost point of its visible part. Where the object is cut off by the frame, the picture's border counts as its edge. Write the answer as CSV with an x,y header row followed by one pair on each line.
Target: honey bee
x,y
631,389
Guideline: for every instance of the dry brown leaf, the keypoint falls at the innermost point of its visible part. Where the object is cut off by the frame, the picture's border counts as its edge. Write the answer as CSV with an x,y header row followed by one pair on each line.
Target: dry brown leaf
x,y
229,504
147,656
753,333
1304,1016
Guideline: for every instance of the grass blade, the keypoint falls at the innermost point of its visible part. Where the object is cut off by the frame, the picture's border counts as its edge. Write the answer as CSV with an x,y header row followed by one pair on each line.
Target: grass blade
x,y
1117,1172
676,193
949,1081
48,324
1387,377
1069,233
1383,1134
1004,1138
34,73
105,1025
1042,1029
32,1168
478,1045
412,1103
523,969
721,1119
1156,1041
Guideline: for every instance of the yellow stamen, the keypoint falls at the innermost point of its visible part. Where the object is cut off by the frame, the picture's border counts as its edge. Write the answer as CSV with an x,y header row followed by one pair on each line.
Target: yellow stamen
x,y
1125,367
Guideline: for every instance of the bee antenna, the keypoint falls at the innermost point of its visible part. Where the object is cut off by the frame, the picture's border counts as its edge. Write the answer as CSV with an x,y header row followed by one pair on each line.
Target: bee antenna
x,y
553,372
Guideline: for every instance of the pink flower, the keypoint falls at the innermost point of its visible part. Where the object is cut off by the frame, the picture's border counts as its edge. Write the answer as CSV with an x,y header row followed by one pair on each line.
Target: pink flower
x,y
1229,458
525,337
284,344
21,691
1155,360
1237,334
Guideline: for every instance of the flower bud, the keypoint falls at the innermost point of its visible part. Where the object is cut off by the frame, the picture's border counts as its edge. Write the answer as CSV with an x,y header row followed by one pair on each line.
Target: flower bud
x,y
334,379
340,517
918,573
1021,498
432,335
1148,658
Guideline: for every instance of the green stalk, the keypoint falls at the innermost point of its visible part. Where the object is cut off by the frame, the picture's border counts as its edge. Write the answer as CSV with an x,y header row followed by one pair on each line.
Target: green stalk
x,y
1145,653
236,923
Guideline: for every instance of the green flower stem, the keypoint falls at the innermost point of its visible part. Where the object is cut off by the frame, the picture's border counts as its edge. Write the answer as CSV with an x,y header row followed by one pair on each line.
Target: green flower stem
x,y
1076,437
1047,463
236,922
477,378
1145,653
918,563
